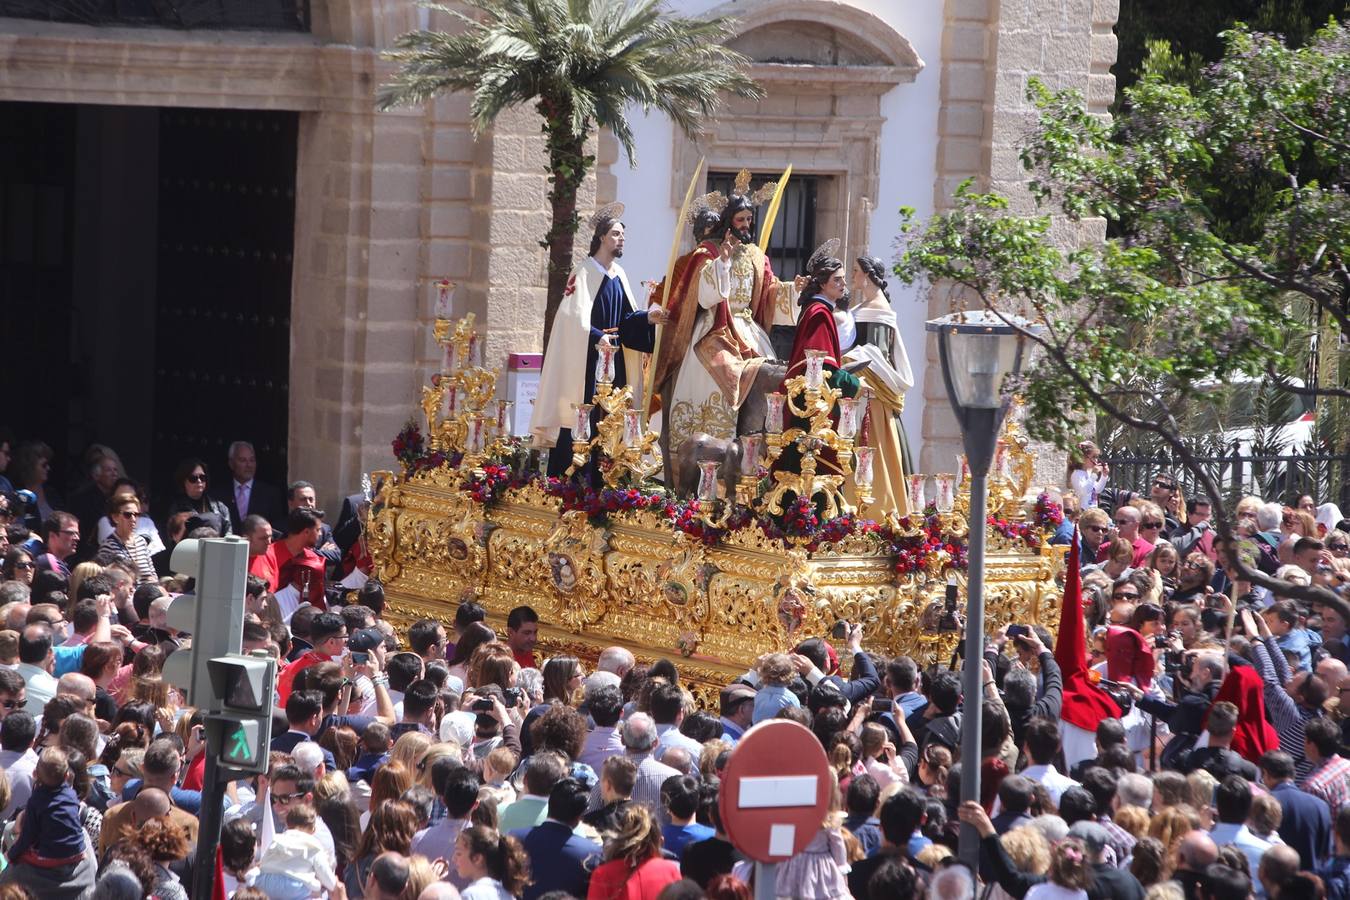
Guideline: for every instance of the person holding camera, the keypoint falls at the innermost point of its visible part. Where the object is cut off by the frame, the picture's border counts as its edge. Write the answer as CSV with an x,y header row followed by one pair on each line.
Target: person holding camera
x,y
1026,696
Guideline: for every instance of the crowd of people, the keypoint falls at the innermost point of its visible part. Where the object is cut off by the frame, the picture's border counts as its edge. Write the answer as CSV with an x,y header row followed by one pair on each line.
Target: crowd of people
x,y
1202,755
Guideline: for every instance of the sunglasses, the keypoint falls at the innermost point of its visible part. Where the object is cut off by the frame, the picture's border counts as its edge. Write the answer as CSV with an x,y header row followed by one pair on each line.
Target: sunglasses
x,y
283,799
25,565
1151,525
1101,528
197,479
1338,546
1192,565
12,704
1124,596
129,514
1165,486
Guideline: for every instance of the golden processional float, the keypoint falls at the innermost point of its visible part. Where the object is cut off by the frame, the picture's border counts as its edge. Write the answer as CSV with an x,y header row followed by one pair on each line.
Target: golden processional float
x,y
713,580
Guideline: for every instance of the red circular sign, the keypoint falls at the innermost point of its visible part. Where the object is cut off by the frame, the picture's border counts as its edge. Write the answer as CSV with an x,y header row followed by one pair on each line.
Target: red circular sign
x,y
775,791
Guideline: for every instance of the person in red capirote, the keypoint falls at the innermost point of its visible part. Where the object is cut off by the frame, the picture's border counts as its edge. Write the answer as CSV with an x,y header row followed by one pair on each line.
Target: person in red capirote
x,y
522,633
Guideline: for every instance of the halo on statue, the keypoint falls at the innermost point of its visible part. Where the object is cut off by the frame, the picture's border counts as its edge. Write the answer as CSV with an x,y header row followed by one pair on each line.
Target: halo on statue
x,y
610,212
823,252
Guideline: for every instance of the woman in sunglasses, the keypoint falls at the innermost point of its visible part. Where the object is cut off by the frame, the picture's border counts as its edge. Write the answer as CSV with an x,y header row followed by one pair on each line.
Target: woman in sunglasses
x,y
18,566
125,511
190,482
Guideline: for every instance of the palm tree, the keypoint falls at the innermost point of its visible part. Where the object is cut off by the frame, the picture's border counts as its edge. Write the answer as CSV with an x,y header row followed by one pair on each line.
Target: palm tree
x,y
581,63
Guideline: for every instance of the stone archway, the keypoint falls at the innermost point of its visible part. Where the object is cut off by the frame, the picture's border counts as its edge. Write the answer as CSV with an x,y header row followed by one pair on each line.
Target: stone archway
x,y
825,66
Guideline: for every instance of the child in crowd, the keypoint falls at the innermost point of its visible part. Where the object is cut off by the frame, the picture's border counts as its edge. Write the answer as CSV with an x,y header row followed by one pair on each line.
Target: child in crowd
x,y
51,831
295,865
1283,620
1069,873
497,768
375,746
775,672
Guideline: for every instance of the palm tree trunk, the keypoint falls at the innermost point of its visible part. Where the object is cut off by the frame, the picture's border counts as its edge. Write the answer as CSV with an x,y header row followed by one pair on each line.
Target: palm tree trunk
x,y
568,166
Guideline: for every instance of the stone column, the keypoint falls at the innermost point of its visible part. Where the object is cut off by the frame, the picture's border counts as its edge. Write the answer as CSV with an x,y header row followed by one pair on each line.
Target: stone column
x,y
989,51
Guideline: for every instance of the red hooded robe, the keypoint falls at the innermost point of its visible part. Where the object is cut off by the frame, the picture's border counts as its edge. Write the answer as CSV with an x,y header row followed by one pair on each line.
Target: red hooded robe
x,y
1085,704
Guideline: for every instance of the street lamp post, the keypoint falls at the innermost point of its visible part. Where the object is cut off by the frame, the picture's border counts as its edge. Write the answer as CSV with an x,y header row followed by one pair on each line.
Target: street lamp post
x,y
978,350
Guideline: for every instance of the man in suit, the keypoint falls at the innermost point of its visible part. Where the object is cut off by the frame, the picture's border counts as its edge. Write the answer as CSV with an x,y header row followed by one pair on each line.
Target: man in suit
x,y
816,662
243,494
558,857
1305,822
304,715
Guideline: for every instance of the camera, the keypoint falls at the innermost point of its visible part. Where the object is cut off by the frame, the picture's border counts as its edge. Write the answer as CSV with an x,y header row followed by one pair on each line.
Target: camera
x,y
511,697
883,705
839,630
482,705
1124,699
1017,631
360,657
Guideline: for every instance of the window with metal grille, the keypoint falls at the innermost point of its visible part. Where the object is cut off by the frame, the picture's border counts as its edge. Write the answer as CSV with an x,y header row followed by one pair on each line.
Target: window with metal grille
x,y
268,15
794,231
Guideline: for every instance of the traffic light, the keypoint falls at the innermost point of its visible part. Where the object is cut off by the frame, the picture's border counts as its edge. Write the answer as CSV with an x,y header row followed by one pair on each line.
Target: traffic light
x,y
213,614
239,727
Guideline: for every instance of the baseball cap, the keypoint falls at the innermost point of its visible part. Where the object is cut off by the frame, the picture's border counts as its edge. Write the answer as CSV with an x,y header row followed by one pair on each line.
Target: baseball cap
x,y
365,639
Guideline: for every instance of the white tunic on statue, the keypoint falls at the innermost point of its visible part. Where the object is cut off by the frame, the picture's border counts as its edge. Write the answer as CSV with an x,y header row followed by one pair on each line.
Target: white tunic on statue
x,y
698,404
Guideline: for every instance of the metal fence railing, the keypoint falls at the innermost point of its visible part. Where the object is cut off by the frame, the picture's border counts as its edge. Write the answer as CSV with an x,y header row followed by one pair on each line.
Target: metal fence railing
x,y
268,15
1276,478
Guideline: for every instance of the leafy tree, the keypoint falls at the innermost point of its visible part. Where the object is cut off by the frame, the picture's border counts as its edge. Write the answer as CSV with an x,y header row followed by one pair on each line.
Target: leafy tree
x,y
580,63
1187,292
1187,36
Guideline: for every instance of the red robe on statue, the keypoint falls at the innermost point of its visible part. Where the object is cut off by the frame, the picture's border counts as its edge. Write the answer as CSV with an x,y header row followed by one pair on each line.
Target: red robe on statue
x,y
816,330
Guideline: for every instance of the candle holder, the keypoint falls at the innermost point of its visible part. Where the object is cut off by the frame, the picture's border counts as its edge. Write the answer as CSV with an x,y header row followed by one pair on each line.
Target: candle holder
x,y
747,486
460,393
809,397
862,475
629,453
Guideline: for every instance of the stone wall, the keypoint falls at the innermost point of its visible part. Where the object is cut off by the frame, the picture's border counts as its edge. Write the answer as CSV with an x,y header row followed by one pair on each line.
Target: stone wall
x,y
388,203
990,50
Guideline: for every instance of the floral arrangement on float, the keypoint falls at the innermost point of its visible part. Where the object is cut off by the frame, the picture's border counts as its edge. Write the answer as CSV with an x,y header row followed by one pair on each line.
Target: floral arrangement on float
x,y
933,541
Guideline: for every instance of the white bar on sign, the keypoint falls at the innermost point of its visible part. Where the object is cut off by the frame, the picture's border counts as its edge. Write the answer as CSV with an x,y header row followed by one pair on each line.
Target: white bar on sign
x,y
782,790
781,838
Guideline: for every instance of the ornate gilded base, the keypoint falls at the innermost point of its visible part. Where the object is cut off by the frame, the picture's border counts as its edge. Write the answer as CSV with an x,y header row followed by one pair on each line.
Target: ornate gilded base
x,y
641,584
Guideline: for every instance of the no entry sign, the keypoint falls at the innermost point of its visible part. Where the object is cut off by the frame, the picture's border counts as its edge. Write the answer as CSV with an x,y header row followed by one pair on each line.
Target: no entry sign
x,y
775,791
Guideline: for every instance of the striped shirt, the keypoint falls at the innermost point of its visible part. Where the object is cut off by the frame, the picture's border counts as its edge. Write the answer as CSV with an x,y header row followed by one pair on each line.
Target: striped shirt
x,y
137,551
1288,717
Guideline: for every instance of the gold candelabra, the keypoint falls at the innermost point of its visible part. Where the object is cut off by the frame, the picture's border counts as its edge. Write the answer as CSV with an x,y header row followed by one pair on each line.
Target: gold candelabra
x,y
808,397
461,414
631,452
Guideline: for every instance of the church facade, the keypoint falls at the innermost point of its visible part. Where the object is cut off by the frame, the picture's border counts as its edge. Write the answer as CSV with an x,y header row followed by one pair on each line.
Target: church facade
x,y
876,104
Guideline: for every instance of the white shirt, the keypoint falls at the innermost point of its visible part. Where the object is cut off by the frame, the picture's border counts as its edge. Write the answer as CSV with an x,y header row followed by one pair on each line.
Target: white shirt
x,y
19,767
41,687
288,601
485,889
1251,846
301,856
1055,782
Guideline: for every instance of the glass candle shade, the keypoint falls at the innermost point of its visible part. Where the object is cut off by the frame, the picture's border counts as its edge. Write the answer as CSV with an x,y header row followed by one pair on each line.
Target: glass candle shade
x,y
946,491
750,444
815,368
503,424
604,363
445,292
475,440
581,424
632,428
773,419
707,479
916,492
862,467
848,418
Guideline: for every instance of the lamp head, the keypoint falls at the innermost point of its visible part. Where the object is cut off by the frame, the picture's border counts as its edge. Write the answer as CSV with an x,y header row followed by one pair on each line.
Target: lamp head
x,y
979,350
